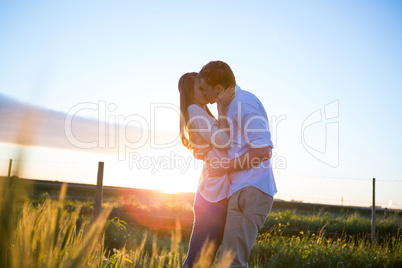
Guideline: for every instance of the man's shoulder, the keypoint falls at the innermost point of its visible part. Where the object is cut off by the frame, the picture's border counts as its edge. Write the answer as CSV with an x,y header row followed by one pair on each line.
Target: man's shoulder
x,y
248,96
244,98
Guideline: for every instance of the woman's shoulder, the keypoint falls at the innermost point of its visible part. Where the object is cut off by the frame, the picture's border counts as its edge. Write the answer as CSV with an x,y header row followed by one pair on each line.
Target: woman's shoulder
x,y
194,109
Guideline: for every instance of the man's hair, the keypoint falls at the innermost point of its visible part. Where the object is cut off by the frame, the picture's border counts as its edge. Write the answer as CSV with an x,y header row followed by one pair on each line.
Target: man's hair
x,y
218,73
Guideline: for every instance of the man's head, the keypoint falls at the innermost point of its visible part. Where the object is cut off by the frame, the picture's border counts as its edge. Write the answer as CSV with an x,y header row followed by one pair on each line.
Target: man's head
x,y
215,77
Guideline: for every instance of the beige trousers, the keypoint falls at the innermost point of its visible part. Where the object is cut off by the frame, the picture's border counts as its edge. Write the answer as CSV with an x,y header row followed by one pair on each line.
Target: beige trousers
x,y
247,210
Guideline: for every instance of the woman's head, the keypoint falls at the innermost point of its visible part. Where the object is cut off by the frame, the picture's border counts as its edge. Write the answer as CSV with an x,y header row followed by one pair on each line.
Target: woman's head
x,y
190,93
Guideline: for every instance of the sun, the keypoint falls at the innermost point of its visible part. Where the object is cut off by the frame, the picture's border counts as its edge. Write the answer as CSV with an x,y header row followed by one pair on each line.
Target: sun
x,y
170,191
174,184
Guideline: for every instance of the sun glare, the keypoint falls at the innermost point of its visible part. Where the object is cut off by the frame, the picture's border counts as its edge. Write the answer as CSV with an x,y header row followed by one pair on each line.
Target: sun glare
x,y
168,191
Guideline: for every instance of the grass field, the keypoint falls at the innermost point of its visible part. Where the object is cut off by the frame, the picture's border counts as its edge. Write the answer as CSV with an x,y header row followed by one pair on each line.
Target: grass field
x,y
46,232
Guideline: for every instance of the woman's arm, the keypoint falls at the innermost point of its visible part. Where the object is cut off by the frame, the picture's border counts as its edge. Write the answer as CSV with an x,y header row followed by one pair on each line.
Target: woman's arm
x,y
220,137
203,125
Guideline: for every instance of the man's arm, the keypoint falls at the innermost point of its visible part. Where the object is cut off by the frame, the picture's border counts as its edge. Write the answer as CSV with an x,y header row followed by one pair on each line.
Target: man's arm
x,y
201,153
252,158
223,101
255,128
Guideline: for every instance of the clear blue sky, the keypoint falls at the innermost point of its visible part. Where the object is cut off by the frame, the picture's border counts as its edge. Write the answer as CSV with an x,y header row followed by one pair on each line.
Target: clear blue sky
x,y
296,56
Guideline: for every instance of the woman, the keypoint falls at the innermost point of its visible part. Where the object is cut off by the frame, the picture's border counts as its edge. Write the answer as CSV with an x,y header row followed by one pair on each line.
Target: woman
x,y
199,129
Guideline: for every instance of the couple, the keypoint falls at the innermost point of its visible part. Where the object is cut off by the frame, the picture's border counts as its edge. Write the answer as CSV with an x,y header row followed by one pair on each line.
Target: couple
x,y
237,185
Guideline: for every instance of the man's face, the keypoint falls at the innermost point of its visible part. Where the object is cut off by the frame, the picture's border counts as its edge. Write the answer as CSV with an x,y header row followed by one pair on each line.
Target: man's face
x,y
211,92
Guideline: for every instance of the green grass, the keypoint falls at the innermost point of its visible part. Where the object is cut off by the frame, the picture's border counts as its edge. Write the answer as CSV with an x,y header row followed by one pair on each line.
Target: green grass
x,y
310,250
56,233
353,224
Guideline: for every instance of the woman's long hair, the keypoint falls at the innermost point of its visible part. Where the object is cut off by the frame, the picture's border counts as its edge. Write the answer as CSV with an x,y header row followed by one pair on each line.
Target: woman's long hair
x,y
186,89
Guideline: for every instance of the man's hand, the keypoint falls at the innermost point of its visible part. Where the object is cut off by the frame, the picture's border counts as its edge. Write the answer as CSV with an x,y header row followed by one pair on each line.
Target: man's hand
x,y
201,153
216,172
224,99
217,167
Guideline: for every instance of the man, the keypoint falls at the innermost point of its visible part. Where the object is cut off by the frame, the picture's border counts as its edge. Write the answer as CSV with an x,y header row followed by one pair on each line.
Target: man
x,y
252,183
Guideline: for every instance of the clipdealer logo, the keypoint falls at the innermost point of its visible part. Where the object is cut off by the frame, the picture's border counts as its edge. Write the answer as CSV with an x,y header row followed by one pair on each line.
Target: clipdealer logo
x,y
326,120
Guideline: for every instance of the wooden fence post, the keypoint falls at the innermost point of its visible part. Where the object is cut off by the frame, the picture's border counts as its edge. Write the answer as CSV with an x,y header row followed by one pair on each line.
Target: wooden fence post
x,y
373,216
10,164
99,191
9,168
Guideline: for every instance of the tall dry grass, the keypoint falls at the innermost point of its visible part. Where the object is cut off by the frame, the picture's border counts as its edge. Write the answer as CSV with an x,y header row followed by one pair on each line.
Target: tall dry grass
x,y
47,235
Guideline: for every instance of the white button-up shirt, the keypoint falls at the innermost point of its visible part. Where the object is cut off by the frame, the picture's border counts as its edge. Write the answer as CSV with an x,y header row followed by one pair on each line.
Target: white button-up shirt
x,y
249,129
